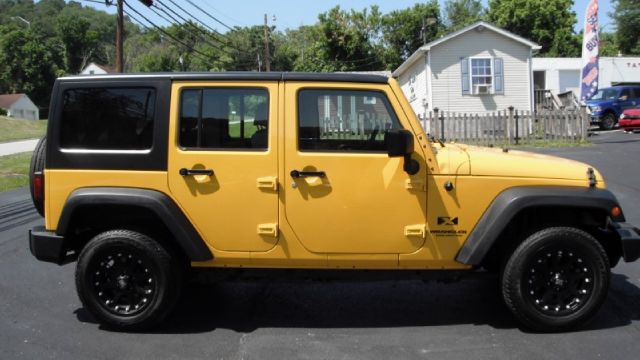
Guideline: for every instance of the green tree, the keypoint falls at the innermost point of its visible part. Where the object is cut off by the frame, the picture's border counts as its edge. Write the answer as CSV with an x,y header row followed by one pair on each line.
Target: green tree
x,y
78,39
626,15
348,41
406,30
608,44
29,64
546,22
460,13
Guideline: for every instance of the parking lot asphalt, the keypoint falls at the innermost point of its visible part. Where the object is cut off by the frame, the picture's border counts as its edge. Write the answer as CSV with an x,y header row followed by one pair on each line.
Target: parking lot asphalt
x,y
41,316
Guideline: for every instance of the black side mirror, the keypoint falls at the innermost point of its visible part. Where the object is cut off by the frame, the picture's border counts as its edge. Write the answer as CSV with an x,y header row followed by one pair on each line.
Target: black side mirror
x,y
400,143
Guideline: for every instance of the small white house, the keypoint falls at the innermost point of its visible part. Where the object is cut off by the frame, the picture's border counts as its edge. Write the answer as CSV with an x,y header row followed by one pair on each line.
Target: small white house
x,y
95,69
19,106
478,69
560,75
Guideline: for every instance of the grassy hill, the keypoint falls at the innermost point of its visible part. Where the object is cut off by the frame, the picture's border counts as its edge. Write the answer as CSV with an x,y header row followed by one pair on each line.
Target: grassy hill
x,y
14,171
17,129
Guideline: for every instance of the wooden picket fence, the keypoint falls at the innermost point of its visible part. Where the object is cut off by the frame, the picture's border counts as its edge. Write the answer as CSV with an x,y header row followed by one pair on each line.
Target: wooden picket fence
x,y
509,126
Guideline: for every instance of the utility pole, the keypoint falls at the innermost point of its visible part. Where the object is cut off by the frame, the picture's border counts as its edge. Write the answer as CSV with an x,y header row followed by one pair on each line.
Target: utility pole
x,y
267,58
119,38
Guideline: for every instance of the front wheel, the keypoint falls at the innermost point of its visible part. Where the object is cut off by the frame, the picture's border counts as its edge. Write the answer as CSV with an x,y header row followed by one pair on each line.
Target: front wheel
x,y
608,121
556,279
127,280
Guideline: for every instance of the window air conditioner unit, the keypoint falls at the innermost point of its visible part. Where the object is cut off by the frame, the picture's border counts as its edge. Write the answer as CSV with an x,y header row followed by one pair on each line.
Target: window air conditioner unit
x,y
482,89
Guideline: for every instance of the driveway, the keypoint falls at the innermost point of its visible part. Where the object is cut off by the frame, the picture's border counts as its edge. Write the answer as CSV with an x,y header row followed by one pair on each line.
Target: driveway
x,y
16,147
41,316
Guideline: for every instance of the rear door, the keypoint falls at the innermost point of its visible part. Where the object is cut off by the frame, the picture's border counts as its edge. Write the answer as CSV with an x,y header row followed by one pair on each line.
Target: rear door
x,y
223,161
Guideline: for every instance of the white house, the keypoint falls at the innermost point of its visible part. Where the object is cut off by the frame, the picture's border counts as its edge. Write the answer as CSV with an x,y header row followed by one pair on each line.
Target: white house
x,y
95,69
19,106
563,74
480,68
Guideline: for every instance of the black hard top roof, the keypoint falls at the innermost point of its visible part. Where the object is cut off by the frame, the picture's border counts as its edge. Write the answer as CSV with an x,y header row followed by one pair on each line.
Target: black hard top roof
x,y
239,75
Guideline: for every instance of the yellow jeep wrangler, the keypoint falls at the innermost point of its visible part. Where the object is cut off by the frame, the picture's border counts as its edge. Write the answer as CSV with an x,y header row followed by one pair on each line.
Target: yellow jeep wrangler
x,y
145,178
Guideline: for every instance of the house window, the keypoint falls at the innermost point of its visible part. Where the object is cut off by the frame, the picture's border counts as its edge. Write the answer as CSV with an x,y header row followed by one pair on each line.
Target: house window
x,y
481,76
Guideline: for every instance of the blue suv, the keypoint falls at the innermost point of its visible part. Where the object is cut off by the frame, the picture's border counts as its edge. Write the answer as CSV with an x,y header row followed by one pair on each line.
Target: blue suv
x,y
607,104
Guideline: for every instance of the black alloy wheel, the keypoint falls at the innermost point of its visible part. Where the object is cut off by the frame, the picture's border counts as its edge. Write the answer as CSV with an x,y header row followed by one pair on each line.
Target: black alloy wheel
x,y
556,279
128,280
123,280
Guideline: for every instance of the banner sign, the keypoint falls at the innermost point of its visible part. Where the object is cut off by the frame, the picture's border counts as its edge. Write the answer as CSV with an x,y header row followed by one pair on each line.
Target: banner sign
x,y
590,41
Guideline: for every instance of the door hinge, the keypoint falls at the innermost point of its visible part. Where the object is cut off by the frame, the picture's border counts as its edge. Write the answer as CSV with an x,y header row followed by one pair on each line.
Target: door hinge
x,y
417,185
419,230
268,229
268,182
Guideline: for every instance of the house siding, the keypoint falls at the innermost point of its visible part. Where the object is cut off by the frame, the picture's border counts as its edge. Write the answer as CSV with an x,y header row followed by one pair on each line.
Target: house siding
x,y
24,109
446,75
416,92
612,70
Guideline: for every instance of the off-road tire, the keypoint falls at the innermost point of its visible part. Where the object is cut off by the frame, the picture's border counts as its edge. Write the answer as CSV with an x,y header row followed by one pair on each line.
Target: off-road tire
x,y
566,296
608,121
37,165
126,264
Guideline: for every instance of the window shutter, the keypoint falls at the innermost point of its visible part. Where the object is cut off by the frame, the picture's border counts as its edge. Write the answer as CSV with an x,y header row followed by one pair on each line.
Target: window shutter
x,y
464,70
498,77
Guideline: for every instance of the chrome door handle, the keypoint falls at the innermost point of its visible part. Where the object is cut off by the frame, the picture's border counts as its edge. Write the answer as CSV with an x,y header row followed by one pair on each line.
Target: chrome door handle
x,y
190,172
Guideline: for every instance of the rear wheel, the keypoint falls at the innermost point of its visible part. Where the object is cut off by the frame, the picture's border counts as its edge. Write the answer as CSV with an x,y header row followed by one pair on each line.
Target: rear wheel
x,y
37,166
556,279
127,280
608,121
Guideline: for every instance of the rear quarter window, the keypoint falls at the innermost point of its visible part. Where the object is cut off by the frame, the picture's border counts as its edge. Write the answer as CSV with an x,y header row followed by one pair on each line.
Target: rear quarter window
x,y
118,118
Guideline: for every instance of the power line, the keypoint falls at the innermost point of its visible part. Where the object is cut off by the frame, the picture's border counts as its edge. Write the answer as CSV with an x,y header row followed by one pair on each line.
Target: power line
x,y
166,33
209,15
216,32
216,46
208,4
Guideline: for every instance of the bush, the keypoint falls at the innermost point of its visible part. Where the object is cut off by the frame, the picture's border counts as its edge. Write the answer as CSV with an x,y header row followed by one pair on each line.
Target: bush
x,y
3,112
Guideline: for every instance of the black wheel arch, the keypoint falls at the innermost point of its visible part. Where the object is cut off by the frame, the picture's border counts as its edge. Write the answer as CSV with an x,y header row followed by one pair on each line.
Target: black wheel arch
x,y
584,207
89,211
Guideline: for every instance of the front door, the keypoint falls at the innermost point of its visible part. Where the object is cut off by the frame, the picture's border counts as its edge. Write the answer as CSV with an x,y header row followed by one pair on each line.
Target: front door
x,y
343,194
223,162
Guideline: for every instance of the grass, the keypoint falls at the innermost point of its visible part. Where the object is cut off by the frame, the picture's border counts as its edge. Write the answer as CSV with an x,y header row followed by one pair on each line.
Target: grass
x,y
14,170
18,129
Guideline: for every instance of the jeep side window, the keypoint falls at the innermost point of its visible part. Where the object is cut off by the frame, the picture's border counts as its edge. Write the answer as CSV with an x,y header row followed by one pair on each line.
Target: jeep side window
x,y
223,118
107,118
344,120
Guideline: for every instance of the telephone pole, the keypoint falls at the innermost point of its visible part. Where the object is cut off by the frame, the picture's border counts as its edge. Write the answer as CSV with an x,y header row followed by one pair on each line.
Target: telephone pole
x,y
119,36
267,58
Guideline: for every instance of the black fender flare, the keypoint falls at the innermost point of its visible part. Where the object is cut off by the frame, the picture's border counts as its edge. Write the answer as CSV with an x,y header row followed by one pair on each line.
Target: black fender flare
x,y
512,201
157,202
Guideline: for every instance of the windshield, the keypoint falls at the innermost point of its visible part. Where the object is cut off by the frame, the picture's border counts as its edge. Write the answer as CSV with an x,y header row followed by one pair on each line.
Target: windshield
x,y
605,94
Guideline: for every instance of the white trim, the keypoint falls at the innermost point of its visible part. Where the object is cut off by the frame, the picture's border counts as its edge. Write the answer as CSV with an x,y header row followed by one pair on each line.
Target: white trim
x,y
427,47
493,75
429,81
487,25
407,63
99,151
530,62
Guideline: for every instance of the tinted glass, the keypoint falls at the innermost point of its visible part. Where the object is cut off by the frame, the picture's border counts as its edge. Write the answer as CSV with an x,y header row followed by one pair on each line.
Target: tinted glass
x,y
606,94
224,118
107,118
625,94
344,120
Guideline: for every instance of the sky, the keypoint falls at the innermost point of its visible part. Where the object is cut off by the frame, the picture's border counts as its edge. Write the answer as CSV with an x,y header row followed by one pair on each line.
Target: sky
x,y
293,13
